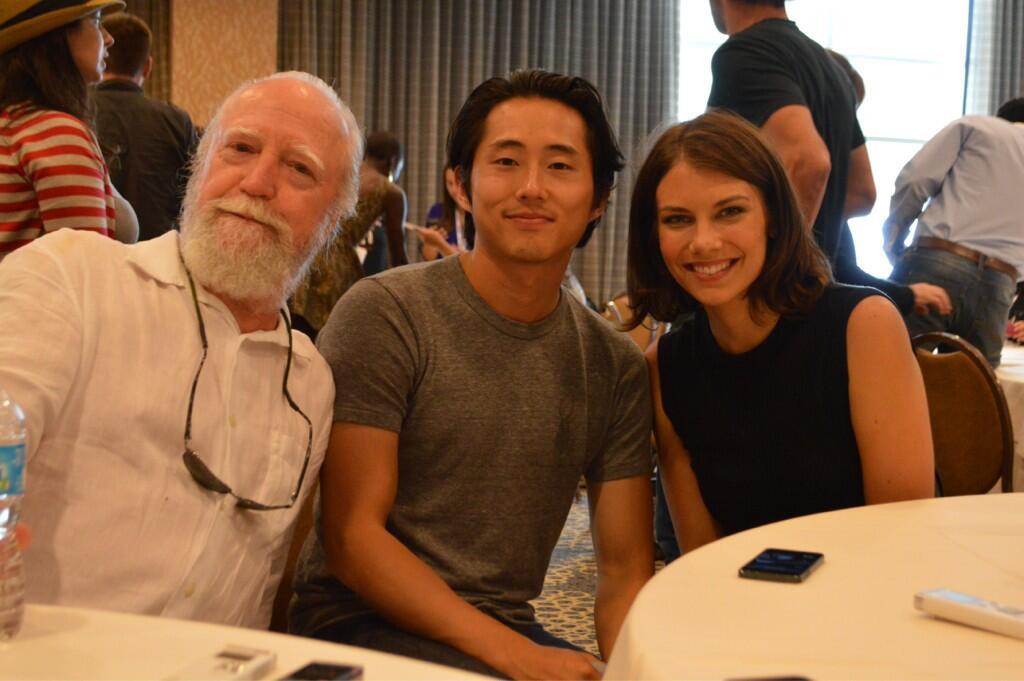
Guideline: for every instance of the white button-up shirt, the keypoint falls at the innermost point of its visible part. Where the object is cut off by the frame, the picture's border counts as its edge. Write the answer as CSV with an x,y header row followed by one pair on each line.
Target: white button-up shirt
x,y
99,344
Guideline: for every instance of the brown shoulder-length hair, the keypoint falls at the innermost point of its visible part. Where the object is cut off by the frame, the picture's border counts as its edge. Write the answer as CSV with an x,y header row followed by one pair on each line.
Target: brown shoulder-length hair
x,y
795,271
42,72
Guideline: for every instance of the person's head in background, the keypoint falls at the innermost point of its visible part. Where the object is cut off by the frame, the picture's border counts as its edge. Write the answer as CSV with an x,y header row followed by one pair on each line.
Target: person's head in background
x,y
1012,110
727,13
450,211
577,94
851,73
385,153
51,51
690,247
276,169
129,58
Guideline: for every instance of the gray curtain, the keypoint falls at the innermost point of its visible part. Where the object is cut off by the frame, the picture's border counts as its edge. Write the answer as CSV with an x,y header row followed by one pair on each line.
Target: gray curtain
x,y
157,15
996,62
406,66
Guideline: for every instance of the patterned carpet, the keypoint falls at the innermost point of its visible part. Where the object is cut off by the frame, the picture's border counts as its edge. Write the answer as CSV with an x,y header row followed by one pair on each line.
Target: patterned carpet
x,y
566,607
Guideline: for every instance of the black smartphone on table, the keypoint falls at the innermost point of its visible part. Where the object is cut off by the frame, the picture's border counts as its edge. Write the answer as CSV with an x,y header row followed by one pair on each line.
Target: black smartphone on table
x,y
782,565
325,671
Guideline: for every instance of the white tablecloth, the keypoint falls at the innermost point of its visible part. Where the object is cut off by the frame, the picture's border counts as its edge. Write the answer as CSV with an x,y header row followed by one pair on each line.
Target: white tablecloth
x,y
1011,378
854,618
73,643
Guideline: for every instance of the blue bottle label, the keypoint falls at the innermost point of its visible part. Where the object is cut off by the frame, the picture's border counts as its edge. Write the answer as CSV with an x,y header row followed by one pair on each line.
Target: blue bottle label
x,y
12,469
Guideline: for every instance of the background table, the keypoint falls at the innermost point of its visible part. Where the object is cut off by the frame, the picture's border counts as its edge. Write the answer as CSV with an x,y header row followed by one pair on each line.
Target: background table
x,y
854,618
1011,377
72,643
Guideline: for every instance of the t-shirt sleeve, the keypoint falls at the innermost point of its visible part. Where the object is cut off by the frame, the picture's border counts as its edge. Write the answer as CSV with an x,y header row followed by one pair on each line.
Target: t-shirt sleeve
x,y
69,176
858,135
627,443
750,81
370,344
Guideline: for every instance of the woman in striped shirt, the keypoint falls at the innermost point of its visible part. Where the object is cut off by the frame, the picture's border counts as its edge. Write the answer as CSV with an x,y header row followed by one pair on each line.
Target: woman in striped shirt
x,y
52,173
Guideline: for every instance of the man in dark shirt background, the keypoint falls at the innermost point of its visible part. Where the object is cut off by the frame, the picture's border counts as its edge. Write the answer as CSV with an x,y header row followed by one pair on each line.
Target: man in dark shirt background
x,y
780,80
147,143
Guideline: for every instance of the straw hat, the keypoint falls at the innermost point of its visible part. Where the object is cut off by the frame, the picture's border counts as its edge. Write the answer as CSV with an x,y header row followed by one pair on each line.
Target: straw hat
x,y
22,20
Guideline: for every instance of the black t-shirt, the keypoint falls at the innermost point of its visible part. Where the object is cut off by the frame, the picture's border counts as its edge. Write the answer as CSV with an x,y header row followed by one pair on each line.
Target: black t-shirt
x,y
768,431
772,65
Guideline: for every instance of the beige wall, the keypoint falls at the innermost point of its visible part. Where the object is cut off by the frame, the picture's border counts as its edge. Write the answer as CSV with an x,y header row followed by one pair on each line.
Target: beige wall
x,y
216,45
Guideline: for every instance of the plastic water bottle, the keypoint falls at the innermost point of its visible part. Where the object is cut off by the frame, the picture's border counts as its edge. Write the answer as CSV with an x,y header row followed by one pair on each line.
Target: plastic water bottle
x,y
12,486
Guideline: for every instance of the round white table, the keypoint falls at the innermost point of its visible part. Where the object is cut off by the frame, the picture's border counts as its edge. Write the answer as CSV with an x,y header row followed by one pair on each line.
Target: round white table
x,y
74,643
854,617
1011,377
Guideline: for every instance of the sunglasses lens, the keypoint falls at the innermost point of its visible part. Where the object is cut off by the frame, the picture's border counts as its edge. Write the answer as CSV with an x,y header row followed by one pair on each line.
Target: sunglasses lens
x,y
203,475
251,505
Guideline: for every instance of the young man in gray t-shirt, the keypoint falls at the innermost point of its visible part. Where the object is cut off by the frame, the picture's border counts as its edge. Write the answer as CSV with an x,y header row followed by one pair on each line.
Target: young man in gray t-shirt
x,y
472,395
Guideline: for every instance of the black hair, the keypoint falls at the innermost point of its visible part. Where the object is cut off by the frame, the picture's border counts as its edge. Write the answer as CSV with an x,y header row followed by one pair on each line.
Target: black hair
x,y
1012,110
577,93
383,146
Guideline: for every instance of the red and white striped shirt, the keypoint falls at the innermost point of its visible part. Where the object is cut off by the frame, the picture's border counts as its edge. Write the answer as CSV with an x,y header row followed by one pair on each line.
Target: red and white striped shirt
x,y
52,175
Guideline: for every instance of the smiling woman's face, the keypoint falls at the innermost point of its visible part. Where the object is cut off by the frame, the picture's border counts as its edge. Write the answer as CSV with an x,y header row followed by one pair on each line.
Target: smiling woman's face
x,y
712,233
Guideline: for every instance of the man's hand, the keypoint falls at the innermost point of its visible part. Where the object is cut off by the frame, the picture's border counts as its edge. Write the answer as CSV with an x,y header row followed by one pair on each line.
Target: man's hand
x,y
535,661
928,298
431,236
434,240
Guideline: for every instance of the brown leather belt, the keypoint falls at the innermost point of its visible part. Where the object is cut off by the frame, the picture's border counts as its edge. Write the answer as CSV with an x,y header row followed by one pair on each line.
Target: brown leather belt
x,y
968,253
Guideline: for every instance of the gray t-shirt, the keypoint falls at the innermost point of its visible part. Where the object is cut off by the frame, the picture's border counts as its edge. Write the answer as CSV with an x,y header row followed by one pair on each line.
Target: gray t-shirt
x,y
497,421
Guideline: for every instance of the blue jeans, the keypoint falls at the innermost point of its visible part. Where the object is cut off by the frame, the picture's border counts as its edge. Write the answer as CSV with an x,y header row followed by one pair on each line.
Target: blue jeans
x,y
981,298
664,532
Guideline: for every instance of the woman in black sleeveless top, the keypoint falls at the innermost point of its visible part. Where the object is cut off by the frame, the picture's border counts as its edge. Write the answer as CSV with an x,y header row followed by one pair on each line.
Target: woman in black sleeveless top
x,y
786,394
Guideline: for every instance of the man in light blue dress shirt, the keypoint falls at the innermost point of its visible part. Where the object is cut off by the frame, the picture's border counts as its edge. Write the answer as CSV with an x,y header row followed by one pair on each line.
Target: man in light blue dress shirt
x,y
965,188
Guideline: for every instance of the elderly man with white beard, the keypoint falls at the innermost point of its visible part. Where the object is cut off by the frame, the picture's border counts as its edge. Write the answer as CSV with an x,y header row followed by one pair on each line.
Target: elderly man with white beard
x,y
175,422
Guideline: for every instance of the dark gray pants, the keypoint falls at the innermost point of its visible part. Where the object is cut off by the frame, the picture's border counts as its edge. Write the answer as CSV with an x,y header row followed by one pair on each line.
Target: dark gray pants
x,y
374,632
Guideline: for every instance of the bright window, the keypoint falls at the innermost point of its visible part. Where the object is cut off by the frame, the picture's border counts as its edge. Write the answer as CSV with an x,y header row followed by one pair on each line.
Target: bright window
x,y
911,54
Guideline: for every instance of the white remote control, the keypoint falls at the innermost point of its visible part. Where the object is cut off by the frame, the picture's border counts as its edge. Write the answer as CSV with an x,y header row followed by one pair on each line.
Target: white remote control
x,y
976,612
233,663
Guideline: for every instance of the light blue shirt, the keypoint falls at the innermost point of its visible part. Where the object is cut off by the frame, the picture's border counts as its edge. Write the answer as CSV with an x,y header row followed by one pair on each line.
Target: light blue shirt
x,y
971,174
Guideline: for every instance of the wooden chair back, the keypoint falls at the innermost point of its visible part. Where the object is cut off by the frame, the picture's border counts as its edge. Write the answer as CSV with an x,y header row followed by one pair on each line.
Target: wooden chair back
x,y
618,312
303,525
971,427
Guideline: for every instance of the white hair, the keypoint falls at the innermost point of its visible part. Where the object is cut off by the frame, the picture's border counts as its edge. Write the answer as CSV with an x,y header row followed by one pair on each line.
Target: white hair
x,y
252,265
347,192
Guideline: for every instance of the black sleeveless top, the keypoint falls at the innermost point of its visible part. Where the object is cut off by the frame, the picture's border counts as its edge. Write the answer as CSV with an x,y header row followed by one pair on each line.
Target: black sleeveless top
x,y
768,431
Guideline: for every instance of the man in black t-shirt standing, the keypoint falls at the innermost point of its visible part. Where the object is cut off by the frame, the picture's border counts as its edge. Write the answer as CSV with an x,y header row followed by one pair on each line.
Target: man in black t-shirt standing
x,y
780,80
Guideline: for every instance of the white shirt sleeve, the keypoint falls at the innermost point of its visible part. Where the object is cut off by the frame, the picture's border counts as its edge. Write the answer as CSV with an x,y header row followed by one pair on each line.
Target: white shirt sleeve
x,y
39,308
922,177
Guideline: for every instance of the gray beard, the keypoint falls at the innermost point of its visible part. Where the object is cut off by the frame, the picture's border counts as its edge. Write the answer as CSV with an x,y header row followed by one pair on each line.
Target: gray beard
x,y
258,264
